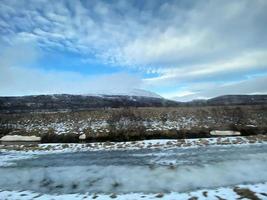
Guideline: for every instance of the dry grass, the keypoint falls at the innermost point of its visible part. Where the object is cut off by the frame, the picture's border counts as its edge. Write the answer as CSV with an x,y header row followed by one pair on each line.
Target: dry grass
x,y
245,193
193,198
205,194
159,195
113,196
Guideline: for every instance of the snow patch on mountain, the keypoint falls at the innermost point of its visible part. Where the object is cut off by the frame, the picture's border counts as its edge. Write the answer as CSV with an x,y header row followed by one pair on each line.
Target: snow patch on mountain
x,y
134,92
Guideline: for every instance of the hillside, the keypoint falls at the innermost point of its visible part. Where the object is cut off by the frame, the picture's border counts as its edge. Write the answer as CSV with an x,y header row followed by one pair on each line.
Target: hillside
x,y
230,100
66,102
238,100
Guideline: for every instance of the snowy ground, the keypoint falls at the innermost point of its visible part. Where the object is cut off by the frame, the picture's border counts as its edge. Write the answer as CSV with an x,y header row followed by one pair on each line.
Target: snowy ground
x,y
212,168
254,192
134,145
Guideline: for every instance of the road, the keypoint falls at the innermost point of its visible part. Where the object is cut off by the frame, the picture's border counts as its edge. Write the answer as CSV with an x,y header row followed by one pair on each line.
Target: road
x,y
147,171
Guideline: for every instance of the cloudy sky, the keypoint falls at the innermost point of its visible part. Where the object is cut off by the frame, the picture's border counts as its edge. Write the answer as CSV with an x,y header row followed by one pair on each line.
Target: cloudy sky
x,y
180,49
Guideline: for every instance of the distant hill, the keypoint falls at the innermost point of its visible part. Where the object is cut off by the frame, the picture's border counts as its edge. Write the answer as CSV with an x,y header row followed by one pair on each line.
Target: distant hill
x,y
230,100
67,102
238,100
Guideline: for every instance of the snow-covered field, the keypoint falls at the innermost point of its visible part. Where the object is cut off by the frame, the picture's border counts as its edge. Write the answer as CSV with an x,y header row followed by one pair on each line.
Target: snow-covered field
x,y
210,168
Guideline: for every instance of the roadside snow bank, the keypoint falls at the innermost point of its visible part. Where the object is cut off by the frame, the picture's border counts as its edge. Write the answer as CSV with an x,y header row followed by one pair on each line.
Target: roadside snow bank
x,y
133,145
256,191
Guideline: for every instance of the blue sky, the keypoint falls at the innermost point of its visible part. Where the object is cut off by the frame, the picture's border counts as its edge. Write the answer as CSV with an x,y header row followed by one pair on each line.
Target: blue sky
x,y
182,49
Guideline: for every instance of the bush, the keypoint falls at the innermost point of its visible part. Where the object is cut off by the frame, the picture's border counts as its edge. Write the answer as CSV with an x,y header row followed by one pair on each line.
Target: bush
x,y
51,137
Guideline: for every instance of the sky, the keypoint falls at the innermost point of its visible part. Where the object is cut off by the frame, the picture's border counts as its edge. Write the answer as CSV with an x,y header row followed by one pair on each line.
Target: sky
x,y
183,50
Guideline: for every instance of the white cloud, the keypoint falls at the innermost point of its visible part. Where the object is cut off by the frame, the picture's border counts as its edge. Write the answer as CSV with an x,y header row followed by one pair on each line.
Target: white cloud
x,y
25,81
179,42
16,78
124,34
247,62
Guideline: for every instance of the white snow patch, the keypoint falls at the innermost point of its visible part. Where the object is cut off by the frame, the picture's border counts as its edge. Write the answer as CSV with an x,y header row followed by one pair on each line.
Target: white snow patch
x,y
82,137
18,138
224,133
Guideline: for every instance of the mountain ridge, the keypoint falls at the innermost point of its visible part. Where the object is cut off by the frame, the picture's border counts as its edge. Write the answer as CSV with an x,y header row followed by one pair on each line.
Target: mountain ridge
x,y
231,99
67,102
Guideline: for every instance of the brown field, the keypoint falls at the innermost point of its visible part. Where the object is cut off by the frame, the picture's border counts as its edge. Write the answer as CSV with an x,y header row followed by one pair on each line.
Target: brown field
x,y
136,123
